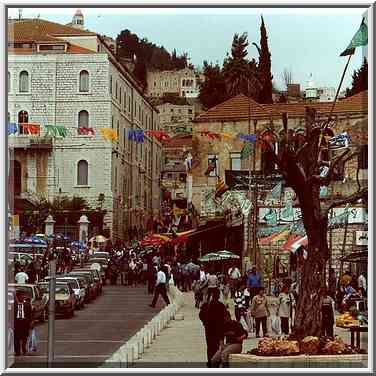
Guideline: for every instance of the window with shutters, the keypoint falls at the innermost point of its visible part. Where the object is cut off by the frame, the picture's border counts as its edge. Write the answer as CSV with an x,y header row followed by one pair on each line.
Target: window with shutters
x,y
84,81
82,172
24,82
83,119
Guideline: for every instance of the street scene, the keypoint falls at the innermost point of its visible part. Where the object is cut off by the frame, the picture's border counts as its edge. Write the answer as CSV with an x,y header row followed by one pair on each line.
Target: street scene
x,y
187,203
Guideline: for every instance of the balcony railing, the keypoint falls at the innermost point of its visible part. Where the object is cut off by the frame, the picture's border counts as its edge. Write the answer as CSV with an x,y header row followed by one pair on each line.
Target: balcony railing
x,y
30,142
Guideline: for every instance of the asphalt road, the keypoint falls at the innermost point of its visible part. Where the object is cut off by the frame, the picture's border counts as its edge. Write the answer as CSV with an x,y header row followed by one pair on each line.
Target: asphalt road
x,y
97,331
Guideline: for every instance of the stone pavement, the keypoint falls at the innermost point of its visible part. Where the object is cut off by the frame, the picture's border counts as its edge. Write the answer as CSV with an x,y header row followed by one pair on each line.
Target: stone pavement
x,y
182,343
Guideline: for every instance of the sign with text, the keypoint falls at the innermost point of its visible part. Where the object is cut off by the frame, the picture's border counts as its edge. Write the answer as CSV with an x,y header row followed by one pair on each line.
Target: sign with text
x,y
243,180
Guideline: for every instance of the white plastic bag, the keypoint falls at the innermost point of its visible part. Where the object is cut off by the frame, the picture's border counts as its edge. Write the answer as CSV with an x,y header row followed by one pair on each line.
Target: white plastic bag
x,y
276,325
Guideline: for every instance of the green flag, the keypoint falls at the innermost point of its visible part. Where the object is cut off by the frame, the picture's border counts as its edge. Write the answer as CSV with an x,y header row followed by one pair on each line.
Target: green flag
x,y
247,150
359,39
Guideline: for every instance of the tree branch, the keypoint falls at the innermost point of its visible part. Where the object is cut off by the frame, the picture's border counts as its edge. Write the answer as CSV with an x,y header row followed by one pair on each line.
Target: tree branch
x,y
325,180
348,200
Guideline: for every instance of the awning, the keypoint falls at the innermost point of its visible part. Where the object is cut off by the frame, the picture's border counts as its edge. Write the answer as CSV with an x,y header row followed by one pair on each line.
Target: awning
x,y
301,242
274,237
356,257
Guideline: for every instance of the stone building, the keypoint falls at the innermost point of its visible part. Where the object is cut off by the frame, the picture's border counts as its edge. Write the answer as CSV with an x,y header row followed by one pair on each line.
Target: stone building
x,y
183,83
69,77
173,116
243,115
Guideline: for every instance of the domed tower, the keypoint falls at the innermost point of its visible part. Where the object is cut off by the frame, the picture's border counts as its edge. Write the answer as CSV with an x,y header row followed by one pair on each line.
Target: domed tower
x,y
78,20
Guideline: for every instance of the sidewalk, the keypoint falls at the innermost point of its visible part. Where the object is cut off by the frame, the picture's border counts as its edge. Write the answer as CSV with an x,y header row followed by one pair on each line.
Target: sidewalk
x,y
181,344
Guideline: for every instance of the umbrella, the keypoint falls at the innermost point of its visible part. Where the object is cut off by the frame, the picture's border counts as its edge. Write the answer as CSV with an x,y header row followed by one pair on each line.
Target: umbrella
x,y
192,267
228,255
98,239
210,257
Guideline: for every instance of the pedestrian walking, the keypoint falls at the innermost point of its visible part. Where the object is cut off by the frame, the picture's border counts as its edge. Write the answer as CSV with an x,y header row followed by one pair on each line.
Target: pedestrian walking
x,y
203,279
239,303
327,314
22,323
132,280
213,315
286,303
225,290
234,334
213,284
254,282
362,283
160,288
21,277
260,311
234,275
37,268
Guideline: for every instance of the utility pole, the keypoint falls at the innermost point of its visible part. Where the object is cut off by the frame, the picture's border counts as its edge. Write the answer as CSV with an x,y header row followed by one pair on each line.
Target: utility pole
x,y
51,310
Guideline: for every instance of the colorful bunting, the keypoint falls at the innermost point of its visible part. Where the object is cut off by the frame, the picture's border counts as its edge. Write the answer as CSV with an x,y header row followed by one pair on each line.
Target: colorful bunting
x,y
159,135
84,131
227,136
247,150
221,188
248,137
30,128
12,128
109,134
341,141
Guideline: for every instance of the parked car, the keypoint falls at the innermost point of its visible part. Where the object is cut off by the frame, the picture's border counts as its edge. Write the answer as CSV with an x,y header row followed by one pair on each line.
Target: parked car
x,y
103,263
97,278
38,301
65,301
92,288
77,286
20,257
101,254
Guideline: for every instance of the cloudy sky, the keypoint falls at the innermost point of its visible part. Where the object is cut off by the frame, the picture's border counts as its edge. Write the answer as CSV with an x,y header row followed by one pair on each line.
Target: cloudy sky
x,y
303,40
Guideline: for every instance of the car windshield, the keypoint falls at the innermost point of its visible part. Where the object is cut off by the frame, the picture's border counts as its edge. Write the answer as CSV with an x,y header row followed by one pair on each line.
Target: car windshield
x,y
62,290
28,291
100,254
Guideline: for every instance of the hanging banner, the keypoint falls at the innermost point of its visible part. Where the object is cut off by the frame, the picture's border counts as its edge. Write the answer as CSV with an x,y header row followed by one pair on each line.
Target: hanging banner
x,y
341,141
227,136
247,150
159,135
277,190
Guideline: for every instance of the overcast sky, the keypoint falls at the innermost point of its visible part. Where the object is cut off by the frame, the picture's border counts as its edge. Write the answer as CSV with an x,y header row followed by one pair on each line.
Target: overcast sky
x,y
303,40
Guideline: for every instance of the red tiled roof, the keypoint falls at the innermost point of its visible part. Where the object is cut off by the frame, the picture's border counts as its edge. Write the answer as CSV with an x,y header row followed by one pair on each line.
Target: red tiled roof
x,y
72,49
241,107
36,30
236,108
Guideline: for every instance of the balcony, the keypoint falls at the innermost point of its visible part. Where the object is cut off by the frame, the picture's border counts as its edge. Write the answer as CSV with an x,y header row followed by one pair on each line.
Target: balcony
x,y
34,142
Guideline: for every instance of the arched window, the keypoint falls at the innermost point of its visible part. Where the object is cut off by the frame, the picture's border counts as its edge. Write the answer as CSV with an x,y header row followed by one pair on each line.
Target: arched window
x,y
82,172
83,119
84,81
24,82
9,83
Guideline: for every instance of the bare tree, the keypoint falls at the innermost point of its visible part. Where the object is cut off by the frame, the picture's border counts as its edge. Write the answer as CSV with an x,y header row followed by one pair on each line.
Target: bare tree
x,y
287,77
300,163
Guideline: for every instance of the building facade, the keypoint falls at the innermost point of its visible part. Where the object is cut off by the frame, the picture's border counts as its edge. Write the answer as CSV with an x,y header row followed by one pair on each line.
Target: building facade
x,y
68,77
183,83
241,115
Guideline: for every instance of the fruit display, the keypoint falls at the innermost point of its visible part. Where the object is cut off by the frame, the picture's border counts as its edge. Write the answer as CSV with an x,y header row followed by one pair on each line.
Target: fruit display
x,y
310,345
346,320
277,346
337,346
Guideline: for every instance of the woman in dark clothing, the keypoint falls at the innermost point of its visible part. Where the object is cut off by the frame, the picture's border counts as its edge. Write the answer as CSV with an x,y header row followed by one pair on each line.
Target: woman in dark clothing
x,y
213,315
22,323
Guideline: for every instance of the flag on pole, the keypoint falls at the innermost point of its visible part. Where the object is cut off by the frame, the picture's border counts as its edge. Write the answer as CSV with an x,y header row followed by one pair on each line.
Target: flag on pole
x,y
247,150
359,39
221,188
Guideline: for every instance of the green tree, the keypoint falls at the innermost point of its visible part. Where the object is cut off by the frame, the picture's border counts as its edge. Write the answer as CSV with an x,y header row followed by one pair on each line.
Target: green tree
x,y
264,67
359,80
213,88
240,74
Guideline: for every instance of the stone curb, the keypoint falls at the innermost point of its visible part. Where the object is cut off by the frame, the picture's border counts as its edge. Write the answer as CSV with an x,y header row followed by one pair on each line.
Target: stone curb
x,y
136,345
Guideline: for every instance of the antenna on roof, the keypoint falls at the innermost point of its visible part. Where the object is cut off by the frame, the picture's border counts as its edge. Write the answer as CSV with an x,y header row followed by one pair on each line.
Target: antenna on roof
x,y
20,13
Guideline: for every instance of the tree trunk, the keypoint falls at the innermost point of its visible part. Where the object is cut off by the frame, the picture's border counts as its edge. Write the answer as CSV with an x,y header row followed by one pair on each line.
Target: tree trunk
x,y
308,309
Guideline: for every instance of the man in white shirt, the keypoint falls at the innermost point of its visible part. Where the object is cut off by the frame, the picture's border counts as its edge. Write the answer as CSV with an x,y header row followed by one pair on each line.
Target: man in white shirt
x,y
234,275
160,288
21,277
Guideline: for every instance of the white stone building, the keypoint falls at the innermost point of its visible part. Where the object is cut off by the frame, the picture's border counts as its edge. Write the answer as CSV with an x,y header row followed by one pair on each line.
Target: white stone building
x,y
183,83
64,76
